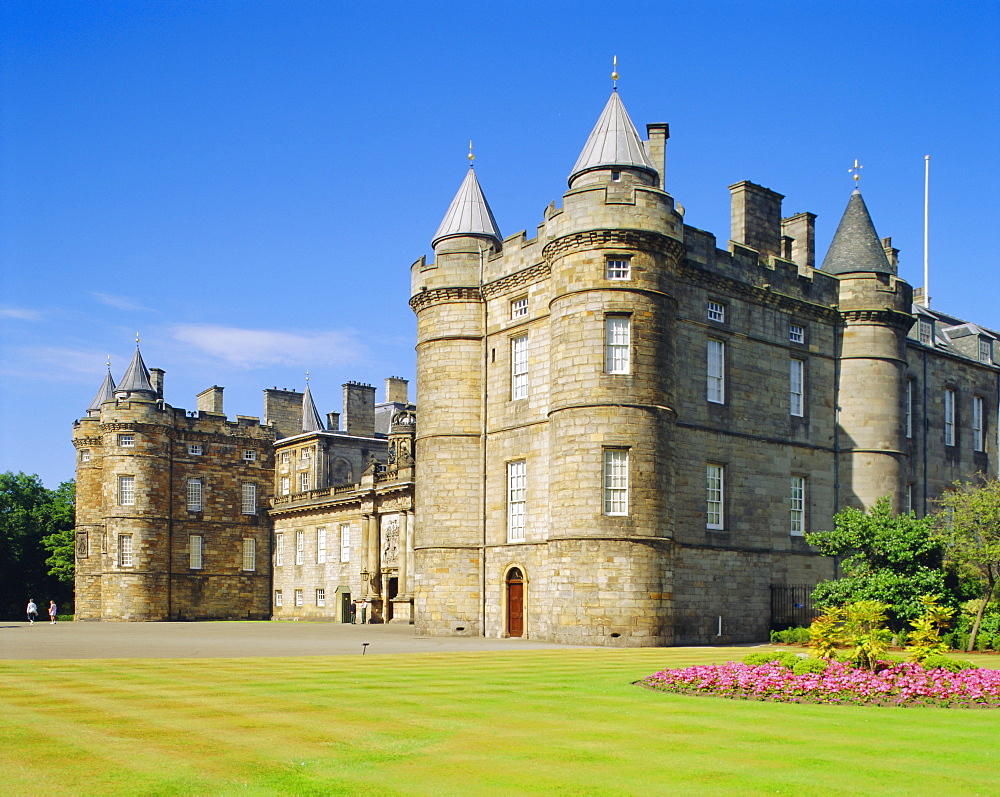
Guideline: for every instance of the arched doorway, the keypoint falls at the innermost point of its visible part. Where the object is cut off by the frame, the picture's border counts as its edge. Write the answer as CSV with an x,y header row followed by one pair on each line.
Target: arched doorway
x,y
515,602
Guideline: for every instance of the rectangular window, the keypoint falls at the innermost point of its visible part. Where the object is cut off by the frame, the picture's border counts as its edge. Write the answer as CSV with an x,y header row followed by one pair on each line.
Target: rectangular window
x,y
619,269
249,455
517,483
126,490
796,387
519,367
300,547
304,482
195,449
277,597
279,549
615,481
345,543
926,332
797,527
306,454
716,312
298,597
985,351
617,344
249,554
285,457
126,440
194,495
909,408
949,417
249,499
194,551
85,455
321,597
978,437
796,333
716,371
908,500
519,307
124,550
286,485
321,546
715,475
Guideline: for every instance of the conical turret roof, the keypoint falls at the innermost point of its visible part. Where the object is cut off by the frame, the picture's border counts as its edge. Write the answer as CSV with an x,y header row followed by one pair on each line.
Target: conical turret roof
x,y
855,245
136,377
106,393
468,214
311,420
614,141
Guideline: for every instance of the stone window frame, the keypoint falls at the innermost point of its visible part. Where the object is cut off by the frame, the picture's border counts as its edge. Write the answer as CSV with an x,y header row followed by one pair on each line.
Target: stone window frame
x,y
304,481
126,557
715,496
321,545
950,400
85,455
299,598
286,457
908,407
345,542
519,307
978,424
797,387
249,554
615,481
320,596
278,598
300,546
126,490
249,455
519,352
195,494
279,549
618,344
618,268
195,449
517,499
715,377
248,498
196,552
715,311
126,440
285,486
985,350
798,505
796,333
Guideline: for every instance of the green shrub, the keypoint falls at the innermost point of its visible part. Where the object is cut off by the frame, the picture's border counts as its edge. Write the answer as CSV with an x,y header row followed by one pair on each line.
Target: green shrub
x,y
983,642
783,657
938,661
803,666
950,639
790,636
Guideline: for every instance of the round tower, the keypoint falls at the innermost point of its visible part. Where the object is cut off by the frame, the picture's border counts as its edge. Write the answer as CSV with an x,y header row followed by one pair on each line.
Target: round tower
x,y
875,309
446,297
137,490
612,252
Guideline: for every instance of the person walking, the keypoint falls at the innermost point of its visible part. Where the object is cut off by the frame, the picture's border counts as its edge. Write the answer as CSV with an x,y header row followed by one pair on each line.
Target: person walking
x,y
354,612
52,612
32,612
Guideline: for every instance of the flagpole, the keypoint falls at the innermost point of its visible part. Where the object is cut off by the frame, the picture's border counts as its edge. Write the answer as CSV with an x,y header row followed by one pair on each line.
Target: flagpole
x,y
927,181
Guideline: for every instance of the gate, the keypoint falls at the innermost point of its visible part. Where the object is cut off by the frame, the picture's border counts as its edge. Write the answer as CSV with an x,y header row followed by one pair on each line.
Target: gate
x,y
791,606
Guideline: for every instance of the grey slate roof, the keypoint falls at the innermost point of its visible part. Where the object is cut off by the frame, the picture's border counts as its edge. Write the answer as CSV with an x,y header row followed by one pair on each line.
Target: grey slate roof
x,y
106,393
311,420
468,214
136,377
856,245
614,141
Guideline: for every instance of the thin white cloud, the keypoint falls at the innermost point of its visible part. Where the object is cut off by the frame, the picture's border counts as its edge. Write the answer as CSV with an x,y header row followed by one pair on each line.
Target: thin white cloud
x,y
119,302
258,348
20,314
53,363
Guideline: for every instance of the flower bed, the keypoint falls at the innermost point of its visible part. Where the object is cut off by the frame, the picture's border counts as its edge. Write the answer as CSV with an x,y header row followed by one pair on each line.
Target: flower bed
x,y
906,684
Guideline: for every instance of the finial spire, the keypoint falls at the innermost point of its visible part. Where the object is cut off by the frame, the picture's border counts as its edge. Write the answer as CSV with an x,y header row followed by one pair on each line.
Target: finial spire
x,y
471,156
855,172
614,73
109,362
137,340
307,376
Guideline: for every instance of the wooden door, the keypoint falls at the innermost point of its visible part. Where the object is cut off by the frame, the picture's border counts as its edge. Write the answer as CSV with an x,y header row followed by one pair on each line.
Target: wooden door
x,y
515,603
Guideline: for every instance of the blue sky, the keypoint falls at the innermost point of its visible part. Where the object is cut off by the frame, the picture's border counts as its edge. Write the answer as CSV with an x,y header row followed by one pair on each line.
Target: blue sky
x,y
247,183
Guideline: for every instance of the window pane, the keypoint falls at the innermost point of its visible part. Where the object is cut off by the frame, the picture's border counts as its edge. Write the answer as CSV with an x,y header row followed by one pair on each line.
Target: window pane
x,y
617,334
345,543
714,485
126,490
796,387
619,269
321,546
195,548
249,553
517,480
716,385
300,546
798,506
125,550
949,417
279,549
615,481
716,311
249,495
519,367
194,495
796,333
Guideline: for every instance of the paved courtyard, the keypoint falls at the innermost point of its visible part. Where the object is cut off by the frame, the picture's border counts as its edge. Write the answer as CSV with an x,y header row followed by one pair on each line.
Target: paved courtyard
x,y
229,640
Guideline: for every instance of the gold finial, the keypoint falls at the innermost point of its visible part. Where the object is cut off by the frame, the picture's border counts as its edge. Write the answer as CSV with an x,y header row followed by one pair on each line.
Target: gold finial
x,y
137,340
471,156
109,362
855,171
614,72
307,377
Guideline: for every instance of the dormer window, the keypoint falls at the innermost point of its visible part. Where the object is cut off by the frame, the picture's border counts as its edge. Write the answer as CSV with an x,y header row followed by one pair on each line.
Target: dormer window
x,y
926,332
985,351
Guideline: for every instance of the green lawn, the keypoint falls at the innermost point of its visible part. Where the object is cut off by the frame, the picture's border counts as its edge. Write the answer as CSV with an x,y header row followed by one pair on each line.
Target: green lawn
x,y
556,721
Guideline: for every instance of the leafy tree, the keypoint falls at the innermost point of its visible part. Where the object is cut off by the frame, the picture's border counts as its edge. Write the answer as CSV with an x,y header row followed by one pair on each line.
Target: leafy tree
x,y
892,559
969,526
29,512
61,543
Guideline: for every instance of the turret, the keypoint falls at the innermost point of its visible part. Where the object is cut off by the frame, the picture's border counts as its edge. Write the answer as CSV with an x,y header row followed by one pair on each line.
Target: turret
x,y
875,312
450,361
